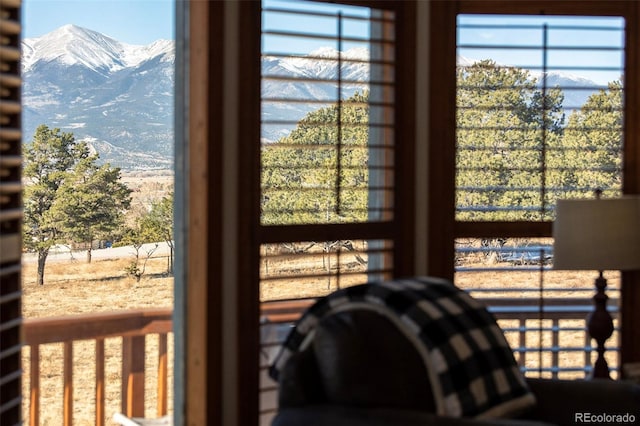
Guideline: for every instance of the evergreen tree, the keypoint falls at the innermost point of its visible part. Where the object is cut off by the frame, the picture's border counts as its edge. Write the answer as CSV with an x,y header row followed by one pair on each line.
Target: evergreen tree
x,y
503,120
48,159
589,156
90,203
300,171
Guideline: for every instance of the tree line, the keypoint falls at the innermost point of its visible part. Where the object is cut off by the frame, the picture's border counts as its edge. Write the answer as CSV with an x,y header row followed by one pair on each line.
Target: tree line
x,y
70,198
517,152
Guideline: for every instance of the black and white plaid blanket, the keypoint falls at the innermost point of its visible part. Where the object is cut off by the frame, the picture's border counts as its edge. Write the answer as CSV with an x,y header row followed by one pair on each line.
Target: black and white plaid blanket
x,y
471,367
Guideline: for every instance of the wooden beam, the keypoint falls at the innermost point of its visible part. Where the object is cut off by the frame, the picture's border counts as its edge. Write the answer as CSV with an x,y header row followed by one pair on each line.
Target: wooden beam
x,y
442,101
96,325
247,248
162,375
202,396
630,289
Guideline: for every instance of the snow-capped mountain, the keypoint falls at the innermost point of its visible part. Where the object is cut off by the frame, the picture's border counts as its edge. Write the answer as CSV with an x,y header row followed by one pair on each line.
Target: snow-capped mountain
x,y
284,78
116,96
119,97
576,89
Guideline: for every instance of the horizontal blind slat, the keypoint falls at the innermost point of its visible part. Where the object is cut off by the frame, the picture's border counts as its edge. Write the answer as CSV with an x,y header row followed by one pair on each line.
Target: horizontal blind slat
x,y
10,213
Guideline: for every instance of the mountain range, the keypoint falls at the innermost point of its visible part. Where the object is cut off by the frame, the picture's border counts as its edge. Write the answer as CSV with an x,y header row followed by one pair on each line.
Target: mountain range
x,y
120,97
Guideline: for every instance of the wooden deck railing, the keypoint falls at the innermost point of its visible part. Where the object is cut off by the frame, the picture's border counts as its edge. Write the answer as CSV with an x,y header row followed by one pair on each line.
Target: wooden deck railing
x,y
132,325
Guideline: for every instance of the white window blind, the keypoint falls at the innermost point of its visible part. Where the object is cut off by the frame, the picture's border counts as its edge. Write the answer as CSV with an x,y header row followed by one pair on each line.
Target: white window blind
x,y
327,114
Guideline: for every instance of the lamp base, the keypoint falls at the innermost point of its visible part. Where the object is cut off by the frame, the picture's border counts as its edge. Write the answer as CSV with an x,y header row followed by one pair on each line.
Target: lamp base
x,y
600,326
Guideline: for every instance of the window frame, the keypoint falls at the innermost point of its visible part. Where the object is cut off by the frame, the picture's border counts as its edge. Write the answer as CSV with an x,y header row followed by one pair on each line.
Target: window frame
x,y
401,226
399,229
217,273
443,228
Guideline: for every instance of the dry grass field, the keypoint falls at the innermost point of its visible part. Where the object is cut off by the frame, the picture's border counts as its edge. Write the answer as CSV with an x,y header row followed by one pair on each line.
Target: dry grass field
x,y
75,287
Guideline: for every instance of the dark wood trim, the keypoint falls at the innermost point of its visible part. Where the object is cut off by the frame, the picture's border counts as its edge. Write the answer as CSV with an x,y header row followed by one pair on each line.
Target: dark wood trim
x,y
214,308
630,318
377,4
546,7
203,313
248,254
631,181
630,291
326,232
442,101
405,136
503,229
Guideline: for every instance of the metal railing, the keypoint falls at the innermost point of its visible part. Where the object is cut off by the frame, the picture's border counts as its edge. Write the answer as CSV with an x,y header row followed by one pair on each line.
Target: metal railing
x,y
534,332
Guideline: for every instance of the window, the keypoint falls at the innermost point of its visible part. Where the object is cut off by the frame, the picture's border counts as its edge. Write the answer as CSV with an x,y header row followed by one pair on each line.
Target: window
x,y
539,115
331,193
327,150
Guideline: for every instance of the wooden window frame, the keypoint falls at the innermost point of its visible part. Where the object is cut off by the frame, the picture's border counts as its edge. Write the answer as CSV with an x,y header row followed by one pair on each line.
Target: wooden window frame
x,y
217,297
400,227
442,226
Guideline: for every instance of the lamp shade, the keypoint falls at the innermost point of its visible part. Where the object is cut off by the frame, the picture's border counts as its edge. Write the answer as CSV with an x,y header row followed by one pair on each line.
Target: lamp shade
x,y
597,234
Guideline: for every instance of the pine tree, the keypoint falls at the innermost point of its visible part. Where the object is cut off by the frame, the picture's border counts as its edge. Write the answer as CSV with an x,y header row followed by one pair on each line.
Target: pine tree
x,y
589,157
48,159
499,141
300,171
67,195
90,203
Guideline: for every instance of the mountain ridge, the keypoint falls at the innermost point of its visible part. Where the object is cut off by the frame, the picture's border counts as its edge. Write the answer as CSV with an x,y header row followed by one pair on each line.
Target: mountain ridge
x,y
119,97
72,45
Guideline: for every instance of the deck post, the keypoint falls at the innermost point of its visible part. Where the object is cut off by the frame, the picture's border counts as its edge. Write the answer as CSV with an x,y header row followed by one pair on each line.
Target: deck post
x,y
133,353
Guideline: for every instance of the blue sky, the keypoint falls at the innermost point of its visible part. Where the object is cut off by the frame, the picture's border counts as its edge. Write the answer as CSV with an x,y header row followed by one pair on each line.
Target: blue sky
x,y
144,21
316,25
590,47
574,43
128,21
